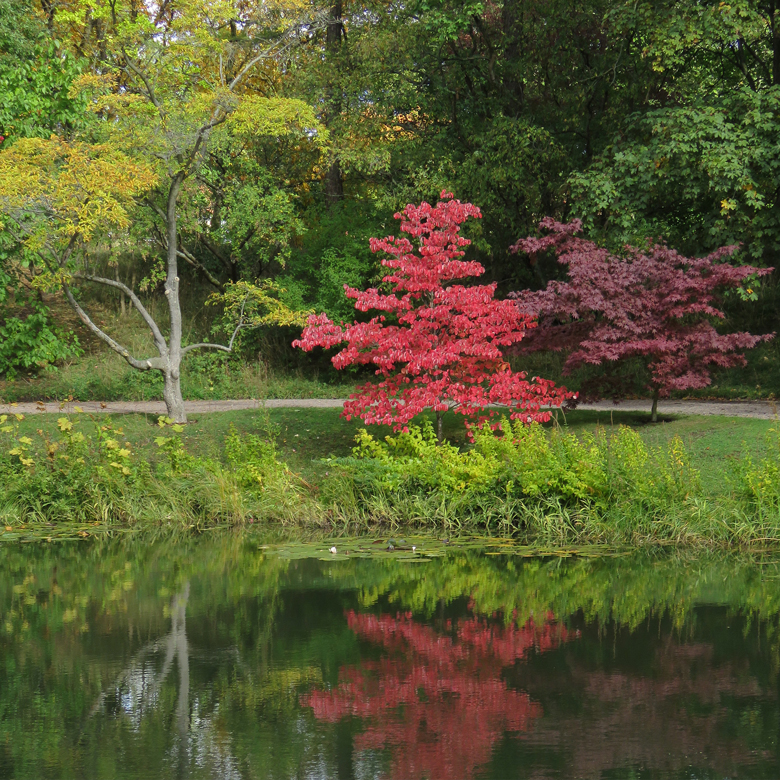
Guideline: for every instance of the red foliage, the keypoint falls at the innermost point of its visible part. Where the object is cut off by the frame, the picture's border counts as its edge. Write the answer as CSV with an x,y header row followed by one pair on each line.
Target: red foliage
x,y
445,350
654,304
439,700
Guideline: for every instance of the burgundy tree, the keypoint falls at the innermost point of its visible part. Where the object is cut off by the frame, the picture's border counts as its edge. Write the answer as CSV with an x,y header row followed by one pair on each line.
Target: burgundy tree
x,y
435,345
653,304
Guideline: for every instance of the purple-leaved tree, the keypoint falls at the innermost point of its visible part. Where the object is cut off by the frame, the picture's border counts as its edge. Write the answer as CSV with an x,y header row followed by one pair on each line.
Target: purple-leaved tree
x,y
650,303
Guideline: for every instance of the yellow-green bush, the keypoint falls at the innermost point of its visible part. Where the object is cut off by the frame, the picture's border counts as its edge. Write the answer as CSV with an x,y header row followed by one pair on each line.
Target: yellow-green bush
x,y
88,471
516,476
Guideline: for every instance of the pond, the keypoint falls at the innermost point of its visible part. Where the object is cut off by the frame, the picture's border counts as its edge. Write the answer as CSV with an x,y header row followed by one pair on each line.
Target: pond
x,y
221,657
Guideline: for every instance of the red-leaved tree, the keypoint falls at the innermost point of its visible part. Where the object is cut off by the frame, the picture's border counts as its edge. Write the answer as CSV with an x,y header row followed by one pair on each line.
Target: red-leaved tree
x,y
653,304
436,345
438,702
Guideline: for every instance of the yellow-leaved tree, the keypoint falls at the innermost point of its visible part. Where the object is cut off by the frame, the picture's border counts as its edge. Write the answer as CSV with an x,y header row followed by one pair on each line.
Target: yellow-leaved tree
x,y
165,79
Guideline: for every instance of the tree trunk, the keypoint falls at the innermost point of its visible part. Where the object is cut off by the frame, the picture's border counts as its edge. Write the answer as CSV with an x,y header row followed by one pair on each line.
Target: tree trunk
x,y
654,411
174,401
439,427
172,393
775,27
334,185
334,182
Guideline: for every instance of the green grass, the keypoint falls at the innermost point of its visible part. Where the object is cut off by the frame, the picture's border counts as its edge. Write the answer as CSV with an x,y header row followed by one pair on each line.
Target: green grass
x,y
106,377
101,375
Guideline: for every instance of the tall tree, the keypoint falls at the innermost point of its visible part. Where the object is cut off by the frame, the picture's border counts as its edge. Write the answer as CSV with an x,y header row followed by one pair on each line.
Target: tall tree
x,y
167,78
700,161
36,74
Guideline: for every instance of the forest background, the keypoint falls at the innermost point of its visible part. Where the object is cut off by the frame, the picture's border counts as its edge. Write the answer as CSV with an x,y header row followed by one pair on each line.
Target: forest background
x,y
290,133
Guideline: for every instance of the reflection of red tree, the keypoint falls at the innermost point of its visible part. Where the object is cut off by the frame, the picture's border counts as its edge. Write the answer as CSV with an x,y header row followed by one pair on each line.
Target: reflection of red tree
x,y
438,697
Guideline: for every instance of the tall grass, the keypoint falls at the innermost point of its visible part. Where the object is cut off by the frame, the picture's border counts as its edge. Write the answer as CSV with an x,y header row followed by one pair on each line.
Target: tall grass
x,y
552,487
89,473
556,487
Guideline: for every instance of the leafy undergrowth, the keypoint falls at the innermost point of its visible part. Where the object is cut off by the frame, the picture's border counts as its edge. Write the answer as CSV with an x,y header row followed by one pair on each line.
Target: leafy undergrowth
x,y
758,380
204,378
92,471
690,481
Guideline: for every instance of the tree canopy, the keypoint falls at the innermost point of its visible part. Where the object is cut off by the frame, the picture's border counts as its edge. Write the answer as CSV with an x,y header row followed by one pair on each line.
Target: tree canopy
x,y
286,133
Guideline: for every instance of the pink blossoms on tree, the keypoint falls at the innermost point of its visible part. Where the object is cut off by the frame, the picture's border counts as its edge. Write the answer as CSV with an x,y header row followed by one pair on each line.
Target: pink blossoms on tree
x,y
653,304
435,345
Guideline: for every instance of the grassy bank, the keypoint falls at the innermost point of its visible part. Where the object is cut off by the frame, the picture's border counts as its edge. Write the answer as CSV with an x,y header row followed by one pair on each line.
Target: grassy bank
x,y
98,374
602,478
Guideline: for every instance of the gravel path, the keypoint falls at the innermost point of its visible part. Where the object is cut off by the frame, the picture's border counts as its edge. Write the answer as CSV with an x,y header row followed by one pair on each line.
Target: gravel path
x,y
758,409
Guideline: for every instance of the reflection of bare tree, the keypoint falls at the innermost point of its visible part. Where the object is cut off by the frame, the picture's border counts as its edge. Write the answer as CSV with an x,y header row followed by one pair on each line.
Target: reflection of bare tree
x,y
137,686
136,695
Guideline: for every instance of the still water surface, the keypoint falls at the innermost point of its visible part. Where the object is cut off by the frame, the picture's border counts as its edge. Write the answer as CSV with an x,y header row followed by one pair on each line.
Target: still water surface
x,y
216,658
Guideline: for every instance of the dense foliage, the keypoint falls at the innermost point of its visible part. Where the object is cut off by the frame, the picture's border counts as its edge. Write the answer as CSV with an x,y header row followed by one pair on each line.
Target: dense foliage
x,y
434,344
651,304
89,472
185,147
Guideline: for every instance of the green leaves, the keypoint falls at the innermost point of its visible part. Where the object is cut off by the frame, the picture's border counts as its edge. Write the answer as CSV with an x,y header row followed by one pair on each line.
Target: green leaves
x,y
31,341
702,175
257,116
36,73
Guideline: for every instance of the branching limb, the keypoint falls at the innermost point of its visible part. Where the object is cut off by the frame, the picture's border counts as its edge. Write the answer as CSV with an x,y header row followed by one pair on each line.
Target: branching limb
x,y
184,253
221,347
141,365
159,339
156,209
195,263
138,72
217,253
278,48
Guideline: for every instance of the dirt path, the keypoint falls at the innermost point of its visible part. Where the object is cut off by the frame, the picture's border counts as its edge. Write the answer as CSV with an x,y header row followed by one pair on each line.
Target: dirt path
x,y
758,409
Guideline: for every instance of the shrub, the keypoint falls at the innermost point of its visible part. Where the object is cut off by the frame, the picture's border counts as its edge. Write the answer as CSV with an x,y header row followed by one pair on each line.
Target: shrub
x,y
520,476
32,342
757,485
91,473
73,476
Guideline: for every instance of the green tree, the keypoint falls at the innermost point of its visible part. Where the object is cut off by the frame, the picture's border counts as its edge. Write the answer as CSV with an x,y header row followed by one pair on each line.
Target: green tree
x,y
36,74
698,162
160,85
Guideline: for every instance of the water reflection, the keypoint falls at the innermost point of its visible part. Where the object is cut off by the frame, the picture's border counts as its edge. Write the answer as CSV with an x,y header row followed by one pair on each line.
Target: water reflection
x,y
210,659
438,700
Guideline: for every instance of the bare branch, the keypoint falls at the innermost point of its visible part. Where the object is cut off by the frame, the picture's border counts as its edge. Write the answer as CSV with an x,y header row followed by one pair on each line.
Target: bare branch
x,y
184,253
206,345
218,116
221,347
159,339
157,210
69,249
217,253
279,47
141,365
149,90
195,263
